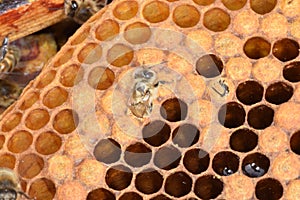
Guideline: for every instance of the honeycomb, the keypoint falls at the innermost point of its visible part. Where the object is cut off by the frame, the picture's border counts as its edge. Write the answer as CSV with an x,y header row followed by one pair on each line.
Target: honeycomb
x,y
224,122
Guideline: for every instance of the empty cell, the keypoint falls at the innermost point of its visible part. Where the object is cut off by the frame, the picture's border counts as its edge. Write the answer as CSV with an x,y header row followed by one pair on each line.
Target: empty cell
x,y
249,92
279,92
285,49
209,66
231,115
178,184
148,181
156,133
107,151
196,161
243,140
174,110
137,155
268,189
225,163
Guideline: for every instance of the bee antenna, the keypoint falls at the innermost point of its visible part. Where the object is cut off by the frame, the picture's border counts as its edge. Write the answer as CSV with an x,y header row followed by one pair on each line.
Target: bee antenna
x,y
25,195
163,62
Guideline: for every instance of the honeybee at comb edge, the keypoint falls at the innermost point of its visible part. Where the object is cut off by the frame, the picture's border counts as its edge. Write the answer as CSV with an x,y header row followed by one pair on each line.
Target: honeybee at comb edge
x,y
82,10
10,188
9,57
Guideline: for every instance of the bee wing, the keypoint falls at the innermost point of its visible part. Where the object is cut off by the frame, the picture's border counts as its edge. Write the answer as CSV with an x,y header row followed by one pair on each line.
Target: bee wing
x,y
19,78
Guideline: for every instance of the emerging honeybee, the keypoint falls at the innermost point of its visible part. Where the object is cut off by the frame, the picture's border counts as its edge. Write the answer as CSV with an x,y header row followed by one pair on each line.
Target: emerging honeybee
x,y
9,56
82,10
144,90
10,185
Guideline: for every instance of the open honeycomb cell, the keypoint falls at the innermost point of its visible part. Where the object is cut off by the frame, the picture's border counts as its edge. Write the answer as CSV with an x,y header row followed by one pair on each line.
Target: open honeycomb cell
x,y
19,142
223,109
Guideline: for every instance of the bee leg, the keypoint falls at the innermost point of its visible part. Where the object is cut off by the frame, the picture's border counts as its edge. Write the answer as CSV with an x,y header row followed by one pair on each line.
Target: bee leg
x,y
25,195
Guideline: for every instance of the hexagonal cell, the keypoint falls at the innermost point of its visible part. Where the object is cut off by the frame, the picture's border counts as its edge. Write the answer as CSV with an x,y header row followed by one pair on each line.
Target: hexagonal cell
x,y
185,135
126,10
186,16
137,33
81,35
107,30
208,187
243,140
257,47
119,55
167,157
231,115
291,72
255,165
268,189
262,6
71,75
2,141
148,181
118,177
37,119
216,20
65,56
29,100
178,184
19,142
260,117
156,133
11,122
295,142
46,78
279,92
107,151
249,92
225,163
101,78
30,165
285,49
100,193
196,161
137,154
130,196
48,143
160,197
90,53
65,121
234,4
204,2
42,189
7,161
156,11
209,66
174,110
54,97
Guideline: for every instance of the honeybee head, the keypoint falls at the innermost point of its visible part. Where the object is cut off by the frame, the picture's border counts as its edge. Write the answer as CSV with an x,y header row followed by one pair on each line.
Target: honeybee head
x,y
8,194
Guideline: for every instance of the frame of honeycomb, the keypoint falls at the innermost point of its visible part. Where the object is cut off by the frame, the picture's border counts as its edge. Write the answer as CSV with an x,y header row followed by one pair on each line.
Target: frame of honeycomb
x,y
220,120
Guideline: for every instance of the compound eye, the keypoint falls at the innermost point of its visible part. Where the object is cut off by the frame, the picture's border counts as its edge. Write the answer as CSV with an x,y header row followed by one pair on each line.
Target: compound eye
x,y
148,74
74,5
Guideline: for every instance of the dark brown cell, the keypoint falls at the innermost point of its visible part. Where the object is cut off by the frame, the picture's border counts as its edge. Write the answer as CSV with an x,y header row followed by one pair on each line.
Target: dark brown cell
x,y
174,110
268,189
156,133
118,177
160,197
216,20
148,181
137,155
19,142
30,165
167,158
255,165
209,66
196,161
243,140
204,2
291,72
208,187
7,161
234,4
107,151
262,6
101,78
131,196
257,47
285,49
279,92
100,193
48,143
232,115
65,121
185,135
225,163
295,142
42,189
178,184
249,92
260,117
